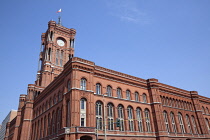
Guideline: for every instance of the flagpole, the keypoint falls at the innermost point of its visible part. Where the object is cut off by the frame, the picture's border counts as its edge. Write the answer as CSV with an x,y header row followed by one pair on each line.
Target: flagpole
x,y
59,17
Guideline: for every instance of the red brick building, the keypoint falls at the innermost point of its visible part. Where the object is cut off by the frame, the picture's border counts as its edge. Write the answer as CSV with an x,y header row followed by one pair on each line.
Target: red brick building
x,y
74,99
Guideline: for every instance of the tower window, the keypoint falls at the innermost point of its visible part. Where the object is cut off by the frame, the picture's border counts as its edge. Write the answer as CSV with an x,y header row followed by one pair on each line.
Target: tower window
x,y
61,59
57,57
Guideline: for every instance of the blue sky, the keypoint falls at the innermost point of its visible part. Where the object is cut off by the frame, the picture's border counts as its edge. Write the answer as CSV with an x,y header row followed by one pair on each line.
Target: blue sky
x,y
167,40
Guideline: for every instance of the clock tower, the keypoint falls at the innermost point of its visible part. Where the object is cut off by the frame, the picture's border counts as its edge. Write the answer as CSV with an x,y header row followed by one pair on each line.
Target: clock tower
x,y
57,47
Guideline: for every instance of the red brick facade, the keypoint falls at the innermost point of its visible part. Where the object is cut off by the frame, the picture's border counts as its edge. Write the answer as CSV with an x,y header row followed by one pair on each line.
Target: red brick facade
x,y
80,100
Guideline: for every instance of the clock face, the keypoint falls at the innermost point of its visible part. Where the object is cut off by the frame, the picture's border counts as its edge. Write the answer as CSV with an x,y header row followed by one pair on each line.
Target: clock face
x,y
60,42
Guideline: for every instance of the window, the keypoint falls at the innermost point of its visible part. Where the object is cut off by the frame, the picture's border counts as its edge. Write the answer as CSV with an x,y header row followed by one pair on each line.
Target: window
x,y
61,59
173,122
82,122
53,122
207,110
68,114
203,110
54,100
69,85
188,124
194,125
98,88
181,124
83,112
139,119
119,93
99,116
57,57
58,119
83,84
147,118
121,117
165,115
49,122
207,124
130,118
110,114
109,91
144,98
82,104
136,96
128,94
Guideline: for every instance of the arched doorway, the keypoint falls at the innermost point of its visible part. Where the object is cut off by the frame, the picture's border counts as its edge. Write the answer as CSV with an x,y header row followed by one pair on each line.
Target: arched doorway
x,y
85,138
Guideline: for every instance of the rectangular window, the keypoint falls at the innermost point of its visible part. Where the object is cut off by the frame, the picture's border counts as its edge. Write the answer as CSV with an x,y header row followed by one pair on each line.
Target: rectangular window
x,y
82,121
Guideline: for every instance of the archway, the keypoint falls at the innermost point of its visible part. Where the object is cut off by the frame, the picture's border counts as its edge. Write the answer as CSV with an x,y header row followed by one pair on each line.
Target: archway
x,y
85,138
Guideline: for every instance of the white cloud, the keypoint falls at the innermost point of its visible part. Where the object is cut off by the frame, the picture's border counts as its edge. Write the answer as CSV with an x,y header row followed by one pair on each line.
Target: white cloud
x,y
128,10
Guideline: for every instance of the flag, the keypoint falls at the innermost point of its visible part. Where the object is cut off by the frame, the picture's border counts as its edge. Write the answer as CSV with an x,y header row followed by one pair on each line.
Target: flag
x,y
59,11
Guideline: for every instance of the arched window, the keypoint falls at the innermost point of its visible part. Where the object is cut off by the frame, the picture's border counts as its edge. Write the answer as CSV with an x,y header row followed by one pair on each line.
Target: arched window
x,y
166,103
121,117
136,96
68,114
109,91
99,116
188,123
46,105
128,95
207,124
58,119
147,118
119,93
83,84
110,115
207,110
98,88
194,125
144,96
54,100
61,59
139,119
69,85
83,112
57,57
130,118
170,102
45,127
164,100
181,124
203,110
165,115
49,125
173,122
53,122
